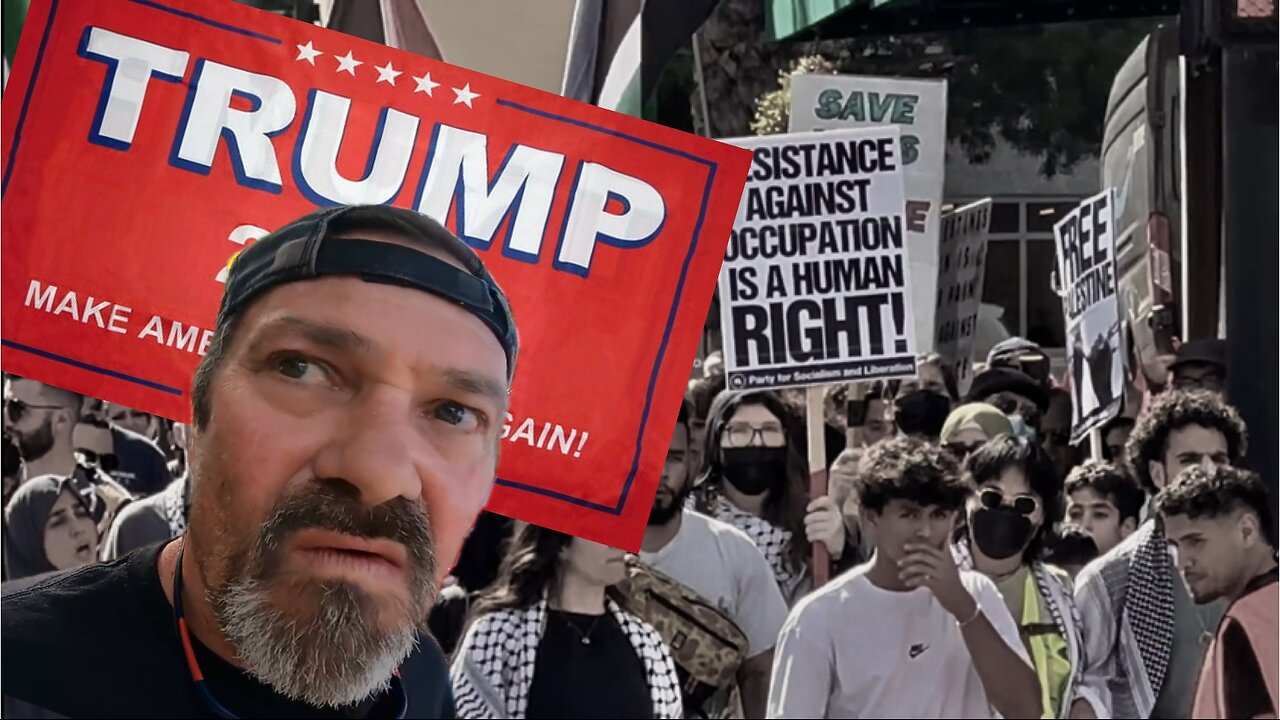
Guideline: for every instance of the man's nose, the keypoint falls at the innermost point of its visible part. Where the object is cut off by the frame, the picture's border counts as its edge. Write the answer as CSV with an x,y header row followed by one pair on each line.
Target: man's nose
x,y
1185,561
373,449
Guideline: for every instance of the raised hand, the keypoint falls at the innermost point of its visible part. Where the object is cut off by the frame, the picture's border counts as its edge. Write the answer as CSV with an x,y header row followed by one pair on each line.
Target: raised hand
x,y
935,568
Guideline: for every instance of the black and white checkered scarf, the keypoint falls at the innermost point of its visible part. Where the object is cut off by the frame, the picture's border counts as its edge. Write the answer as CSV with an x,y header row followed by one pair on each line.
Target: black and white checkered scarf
x,y
173,505
1056,593
1149,605
774,542
493,668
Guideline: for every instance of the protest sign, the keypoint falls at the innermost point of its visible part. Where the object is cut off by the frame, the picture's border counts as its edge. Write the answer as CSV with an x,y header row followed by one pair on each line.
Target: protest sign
x,y
1085,241
919,108
962,254
146,141
814,287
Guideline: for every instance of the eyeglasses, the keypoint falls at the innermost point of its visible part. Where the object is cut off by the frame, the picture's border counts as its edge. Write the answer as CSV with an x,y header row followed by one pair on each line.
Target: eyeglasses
x,y
961,450
16,409
742,434
107,462
126,415
993,499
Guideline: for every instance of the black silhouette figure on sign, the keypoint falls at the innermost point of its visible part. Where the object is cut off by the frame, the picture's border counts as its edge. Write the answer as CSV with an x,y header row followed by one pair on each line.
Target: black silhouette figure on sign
x,y
1077,368
1100,360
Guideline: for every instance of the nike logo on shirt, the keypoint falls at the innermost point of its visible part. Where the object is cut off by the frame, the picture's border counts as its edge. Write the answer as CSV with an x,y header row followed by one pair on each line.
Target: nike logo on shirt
x,y
917,649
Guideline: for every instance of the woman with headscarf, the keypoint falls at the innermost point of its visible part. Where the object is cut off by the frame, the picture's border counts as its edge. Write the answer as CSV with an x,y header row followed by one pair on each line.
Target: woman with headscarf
x,y
754,478
553,639
970,426
53,524
1002,535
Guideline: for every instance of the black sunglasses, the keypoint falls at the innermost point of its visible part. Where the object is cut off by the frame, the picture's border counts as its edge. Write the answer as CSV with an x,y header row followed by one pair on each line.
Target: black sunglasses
x,y
993,499
16,409
960,450
107,462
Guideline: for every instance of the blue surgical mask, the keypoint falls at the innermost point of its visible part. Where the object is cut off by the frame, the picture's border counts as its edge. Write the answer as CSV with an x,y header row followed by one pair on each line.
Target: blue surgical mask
x,y
1021,429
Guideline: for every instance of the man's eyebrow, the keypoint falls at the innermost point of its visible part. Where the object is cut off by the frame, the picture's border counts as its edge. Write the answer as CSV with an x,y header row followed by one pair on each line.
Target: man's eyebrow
x,y
477,384
323,334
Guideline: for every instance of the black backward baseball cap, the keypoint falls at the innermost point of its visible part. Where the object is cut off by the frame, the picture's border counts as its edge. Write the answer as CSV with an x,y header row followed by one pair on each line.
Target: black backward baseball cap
x,y
306,249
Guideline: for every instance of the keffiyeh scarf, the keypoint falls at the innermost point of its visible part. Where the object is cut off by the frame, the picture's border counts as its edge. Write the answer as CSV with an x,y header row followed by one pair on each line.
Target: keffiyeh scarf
x,y
773,541
1043,579
173,505
1149,605
493,669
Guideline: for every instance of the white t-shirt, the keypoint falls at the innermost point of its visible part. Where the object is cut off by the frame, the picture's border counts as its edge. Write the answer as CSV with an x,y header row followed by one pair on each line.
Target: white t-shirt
x,y
720,563
853,650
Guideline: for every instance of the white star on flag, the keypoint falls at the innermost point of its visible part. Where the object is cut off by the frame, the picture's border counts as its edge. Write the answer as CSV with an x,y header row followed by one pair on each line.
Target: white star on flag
x,y
308,52
347,64
387,74
425,84
464,95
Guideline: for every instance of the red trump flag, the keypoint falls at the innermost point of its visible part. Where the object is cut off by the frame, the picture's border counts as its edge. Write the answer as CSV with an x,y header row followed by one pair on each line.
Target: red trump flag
x,y
147,141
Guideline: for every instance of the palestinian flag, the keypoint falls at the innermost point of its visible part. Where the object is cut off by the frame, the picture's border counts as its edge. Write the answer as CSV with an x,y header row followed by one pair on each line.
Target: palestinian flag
x,y
398,23
619,48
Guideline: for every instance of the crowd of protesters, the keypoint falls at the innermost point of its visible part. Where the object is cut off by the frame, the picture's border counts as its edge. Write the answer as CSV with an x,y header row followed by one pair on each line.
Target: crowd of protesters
x,y
981,564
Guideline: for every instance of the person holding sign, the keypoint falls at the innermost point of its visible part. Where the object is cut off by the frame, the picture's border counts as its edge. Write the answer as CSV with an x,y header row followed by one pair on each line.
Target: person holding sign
x,y
754,480
1002,535
908,634
345,436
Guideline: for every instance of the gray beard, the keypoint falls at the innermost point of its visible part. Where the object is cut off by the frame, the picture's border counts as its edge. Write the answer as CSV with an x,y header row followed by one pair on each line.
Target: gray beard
x,y
334,659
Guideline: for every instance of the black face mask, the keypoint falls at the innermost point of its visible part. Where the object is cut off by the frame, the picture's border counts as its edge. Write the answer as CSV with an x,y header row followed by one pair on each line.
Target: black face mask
x,y
1000,533
921,412
753,470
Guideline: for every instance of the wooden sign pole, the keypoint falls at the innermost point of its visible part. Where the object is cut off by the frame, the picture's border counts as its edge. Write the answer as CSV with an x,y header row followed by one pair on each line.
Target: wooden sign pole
x,y
820,564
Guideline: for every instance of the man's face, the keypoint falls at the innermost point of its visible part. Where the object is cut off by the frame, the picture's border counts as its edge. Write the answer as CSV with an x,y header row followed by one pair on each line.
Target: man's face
x,y
1210,553
1199,376
676,483
30,416
352,443
1099,517
903,521
1055,434
878,425
1189,445
1115,439
1011,403
928,377
129,419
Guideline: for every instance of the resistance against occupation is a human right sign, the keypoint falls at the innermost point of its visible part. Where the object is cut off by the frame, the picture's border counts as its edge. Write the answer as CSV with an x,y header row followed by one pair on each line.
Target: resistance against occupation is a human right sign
x,y
962,254
815,283
1085,241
